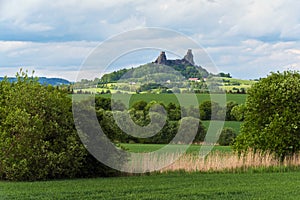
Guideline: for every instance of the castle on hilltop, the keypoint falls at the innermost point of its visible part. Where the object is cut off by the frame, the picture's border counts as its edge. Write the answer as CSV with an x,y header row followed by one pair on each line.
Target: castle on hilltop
x,y
188,59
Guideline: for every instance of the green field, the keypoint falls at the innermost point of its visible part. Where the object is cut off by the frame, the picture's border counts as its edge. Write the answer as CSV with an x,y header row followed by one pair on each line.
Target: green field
x,y
232,124
168,98
153,147
162,186
233,83
171,98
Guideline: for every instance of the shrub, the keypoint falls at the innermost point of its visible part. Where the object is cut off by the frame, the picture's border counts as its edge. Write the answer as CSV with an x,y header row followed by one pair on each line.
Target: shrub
x,y
37,135
227,136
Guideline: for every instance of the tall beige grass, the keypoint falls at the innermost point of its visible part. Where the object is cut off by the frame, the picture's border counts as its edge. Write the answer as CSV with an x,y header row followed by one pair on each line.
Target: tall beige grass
x,y
222,161
215,162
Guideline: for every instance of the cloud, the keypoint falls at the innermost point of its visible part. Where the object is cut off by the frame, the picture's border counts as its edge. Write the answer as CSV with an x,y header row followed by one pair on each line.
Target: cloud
x,y
254,58
56,57
246,38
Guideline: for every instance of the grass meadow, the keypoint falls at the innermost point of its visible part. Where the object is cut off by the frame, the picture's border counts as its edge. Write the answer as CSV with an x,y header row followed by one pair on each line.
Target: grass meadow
x,y
171,98
222,174
141,148
179,185
235,125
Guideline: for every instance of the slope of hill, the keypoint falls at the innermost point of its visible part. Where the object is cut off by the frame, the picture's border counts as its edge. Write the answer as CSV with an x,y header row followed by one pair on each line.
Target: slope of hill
x,y
157,70
45,81
165,76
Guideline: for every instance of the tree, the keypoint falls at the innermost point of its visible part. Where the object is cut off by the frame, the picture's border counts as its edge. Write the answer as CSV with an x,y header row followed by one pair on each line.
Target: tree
x,y
238,112
227,136
209,110
272,120
222,74
38,139
101,102
188,125
140,105
174,112
230,105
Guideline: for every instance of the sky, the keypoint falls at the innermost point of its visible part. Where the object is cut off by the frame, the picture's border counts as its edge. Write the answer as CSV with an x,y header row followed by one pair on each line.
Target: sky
x,y
248,38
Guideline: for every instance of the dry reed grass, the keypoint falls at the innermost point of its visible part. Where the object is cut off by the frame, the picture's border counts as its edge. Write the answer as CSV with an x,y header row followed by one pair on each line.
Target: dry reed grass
x,y
224,161
215,162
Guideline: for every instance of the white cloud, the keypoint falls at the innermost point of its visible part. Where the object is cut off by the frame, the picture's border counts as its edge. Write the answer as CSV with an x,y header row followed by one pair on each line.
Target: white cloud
x,y
57,58
246,38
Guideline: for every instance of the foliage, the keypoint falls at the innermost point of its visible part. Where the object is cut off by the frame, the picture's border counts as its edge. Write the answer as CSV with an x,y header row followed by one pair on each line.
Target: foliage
x,y
238,112
174,112
102,103
114,76
155,73
271,120
209,110
222,74
142,118
140,105
38,138
150,86
227,136
229,115
37,135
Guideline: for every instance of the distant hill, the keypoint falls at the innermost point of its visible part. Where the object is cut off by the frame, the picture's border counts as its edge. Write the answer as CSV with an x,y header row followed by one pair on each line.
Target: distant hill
x,y
45,81
157,71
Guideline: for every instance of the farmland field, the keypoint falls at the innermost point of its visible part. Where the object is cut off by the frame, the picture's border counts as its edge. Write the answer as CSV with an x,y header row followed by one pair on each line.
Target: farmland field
x,y
153,147
176,185
168,98
232,124
171,98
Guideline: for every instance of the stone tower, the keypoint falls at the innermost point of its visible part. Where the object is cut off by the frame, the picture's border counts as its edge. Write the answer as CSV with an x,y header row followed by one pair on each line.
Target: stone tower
x,y
162,59
189,57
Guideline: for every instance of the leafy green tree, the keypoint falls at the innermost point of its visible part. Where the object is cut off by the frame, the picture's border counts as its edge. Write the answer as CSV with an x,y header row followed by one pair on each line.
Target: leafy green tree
x,y
166,134
209,110
188,126
101,102
174,112
38,139
272,120
140,105
227,136
229,116
238,112
193,112
113,77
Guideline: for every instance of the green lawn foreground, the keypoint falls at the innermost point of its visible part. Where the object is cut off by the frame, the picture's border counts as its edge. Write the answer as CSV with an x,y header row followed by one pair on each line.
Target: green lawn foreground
x,y
162,186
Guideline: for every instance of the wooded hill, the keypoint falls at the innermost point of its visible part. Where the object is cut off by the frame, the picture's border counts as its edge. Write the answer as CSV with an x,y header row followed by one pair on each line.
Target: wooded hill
x,y
158,72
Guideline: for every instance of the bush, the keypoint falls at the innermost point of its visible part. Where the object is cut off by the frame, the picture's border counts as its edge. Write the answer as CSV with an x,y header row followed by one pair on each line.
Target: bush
x,y
229,107
210,110
227,136
37,135
238,112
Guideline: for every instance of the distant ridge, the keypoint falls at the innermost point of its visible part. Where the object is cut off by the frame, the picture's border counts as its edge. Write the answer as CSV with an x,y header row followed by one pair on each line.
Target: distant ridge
x,y
45,81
